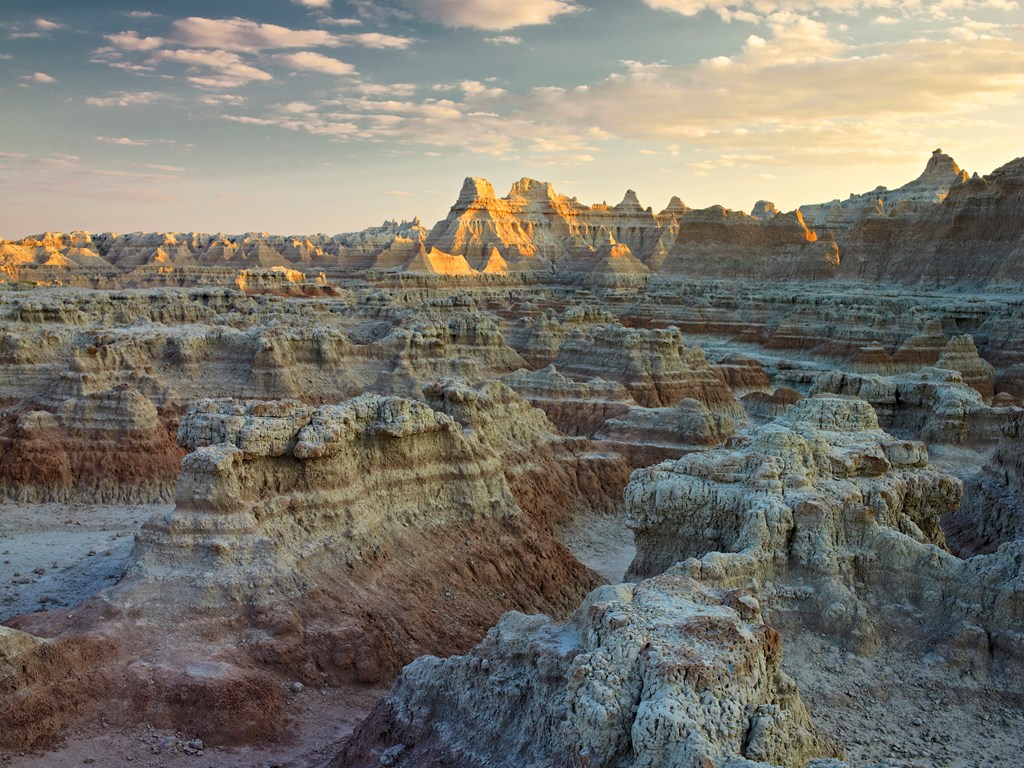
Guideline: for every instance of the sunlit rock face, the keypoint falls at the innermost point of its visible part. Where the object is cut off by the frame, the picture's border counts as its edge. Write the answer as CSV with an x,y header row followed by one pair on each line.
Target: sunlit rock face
x,y
941,174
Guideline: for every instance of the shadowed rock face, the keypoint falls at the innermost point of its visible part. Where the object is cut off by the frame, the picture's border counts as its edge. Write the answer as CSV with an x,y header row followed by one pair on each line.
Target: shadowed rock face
x,y
662,673
836,524
716,242
992,512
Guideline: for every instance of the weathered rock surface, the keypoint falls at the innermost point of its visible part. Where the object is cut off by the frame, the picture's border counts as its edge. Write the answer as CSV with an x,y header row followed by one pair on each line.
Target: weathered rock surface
x,y
649,435
940,175
836,524
992,512
662,673
654,365
575,407
933,404
716,242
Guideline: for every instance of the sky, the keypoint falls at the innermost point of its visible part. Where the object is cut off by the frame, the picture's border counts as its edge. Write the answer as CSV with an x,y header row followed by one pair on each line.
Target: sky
x,y
328,116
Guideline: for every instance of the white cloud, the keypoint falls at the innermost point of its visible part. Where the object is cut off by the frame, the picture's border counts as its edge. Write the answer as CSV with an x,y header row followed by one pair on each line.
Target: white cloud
x,y
220,99
504,40
47,25
140,14
126,99
130,41
228,69
250,36
39,77
310,61
165,168
886,20
754,10
340,22
123,141
324,4
493,14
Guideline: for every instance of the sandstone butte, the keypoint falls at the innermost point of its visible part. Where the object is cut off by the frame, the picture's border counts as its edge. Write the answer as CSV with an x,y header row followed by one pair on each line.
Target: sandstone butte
x,y
545,484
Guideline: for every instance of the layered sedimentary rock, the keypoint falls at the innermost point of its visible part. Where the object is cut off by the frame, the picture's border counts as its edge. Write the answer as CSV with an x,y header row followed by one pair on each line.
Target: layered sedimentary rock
x,y
261,477
716,242
932,404
575,407
330,544
974,236
744,375
654,365
108,446
761,406
648,435
836,523
961,355
992,512
662,673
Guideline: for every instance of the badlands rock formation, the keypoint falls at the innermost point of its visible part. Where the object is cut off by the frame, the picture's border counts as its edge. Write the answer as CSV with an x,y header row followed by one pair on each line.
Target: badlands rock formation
x,y
992,512
662,673
655,366
940,228
933,404
377,443
836,524
940,175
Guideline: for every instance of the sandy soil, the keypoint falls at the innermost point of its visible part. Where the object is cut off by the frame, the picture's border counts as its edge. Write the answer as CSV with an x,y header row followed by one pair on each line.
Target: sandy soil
x,y
896,708
55,555
320,720
602,543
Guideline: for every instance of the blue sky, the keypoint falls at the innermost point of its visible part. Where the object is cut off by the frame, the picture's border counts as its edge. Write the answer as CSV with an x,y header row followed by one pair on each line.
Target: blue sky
x,y
303,116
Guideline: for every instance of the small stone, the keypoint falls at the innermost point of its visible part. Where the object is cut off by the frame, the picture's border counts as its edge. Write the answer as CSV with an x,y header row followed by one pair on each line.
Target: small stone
x,y
297,687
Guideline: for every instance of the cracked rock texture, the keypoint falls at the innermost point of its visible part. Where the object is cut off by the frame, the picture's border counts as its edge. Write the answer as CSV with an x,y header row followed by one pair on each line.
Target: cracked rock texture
x,y
666,672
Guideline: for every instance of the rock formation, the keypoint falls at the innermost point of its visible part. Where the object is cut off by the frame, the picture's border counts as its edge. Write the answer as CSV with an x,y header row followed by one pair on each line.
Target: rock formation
x,y
933,404
992,512
716,242
941,174
655,366
662,673
836,524
649,435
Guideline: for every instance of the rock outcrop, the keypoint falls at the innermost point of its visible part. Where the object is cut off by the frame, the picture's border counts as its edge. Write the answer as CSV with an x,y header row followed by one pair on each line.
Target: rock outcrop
x,y
655,367
992,512
941,174
716,242
933,404
662,673
836,525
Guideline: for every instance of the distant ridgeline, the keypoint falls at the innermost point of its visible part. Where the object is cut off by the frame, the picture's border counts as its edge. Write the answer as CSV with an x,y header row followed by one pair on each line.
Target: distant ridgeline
x,y
943,228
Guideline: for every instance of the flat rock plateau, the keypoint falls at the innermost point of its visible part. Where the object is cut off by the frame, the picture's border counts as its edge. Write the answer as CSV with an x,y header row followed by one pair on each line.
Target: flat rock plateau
x,y
545,484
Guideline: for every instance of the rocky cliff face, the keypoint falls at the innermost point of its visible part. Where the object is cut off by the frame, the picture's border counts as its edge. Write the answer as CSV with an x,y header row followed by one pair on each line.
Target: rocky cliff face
x,y
974,236
716,242
661,673
939,228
